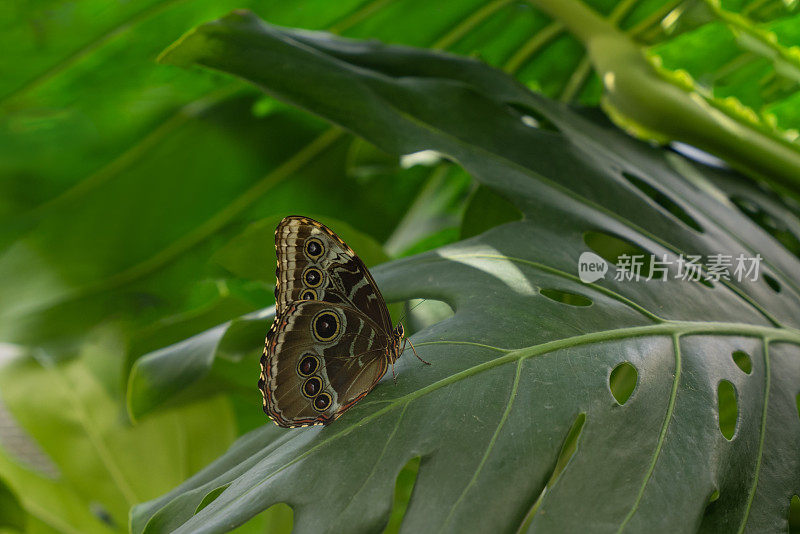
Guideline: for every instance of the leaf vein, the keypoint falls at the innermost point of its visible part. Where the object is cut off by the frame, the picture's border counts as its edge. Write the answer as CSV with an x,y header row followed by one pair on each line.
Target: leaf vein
x,y
377,462
762,433
662,435
491,444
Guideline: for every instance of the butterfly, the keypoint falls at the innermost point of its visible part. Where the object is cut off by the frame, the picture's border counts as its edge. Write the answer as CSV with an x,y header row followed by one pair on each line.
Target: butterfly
x,y
332,338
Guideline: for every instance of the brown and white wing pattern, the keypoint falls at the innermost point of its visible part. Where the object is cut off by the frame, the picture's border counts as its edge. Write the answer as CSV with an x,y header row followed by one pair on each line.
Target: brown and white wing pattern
x,y
314,264
319,359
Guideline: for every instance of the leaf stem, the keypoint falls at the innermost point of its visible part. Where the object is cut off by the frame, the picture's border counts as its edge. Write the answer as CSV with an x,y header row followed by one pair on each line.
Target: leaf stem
x,y
642,100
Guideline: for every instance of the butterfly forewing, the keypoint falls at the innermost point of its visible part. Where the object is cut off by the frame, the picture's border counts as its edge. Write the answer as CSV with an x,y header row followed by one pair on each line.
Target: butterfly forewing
x,y
332,337
314,264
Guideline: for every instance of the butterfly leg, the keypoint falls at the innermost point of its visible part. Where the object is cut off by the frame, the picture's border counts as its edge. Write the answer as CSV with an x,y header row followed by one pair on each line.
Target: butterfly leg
x,y
415,352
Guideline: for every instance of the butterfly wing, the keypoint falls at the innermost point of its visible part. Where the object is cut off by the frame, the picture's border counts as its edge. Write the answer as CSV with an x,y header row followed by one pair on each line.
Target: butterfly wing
x,y
319,359
314,264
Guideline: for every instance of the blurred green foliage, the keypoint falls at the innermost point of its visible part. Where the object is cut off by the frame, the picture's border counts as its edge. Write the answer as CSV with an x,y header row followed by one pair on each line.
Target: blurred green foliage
x,y
135,197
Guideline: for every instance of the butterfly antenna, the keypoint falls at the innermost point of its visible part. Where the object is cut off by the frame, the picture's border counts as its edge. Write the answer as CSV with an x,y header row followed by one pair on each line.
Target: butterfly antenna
x,y
405,314
415,352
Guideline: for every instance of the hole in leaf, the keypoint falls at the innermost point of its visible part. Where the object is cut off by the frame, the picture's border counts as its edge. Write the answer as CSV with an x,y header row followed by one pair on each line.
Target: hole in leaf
x,y
534,119
695,154
622,382
728,409
403,488
485,210
663,200
794,515
423,313
210,496
266,105
568,448
567,451
609,247
707,283
616,251
742,359
526,522
277,518
366,161
772,283
426,158
565,297
711,504
747,206
771,224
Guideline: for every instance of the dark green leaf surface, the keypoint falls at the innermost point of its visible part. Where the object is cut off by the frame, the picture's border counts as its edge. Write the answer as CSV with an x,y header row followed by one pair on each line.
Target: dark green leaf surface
x,y
514,369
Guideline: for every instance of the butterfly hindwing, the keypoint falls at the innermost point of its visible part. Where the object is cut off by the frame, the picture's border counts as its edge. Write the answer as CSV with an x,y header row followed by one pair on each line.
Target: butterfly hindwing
x,y
319,359
314,264
332,337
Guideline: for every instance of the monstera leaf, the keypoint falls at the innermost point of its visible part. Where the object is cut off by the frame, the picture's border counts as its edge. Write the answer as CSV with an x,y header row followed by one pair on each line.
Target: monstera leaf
x,y
519,423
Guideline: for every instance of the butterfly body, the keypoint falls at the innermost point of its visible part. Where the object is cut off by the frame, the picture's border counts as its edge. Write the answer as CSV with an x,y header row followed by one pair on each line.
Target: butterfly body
x,y
332,338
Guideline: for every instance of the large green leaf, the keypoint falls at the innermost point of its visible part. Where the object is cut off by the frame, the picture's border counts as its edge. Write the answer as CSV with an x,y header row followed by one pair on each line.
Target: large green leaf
x,y
523,392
